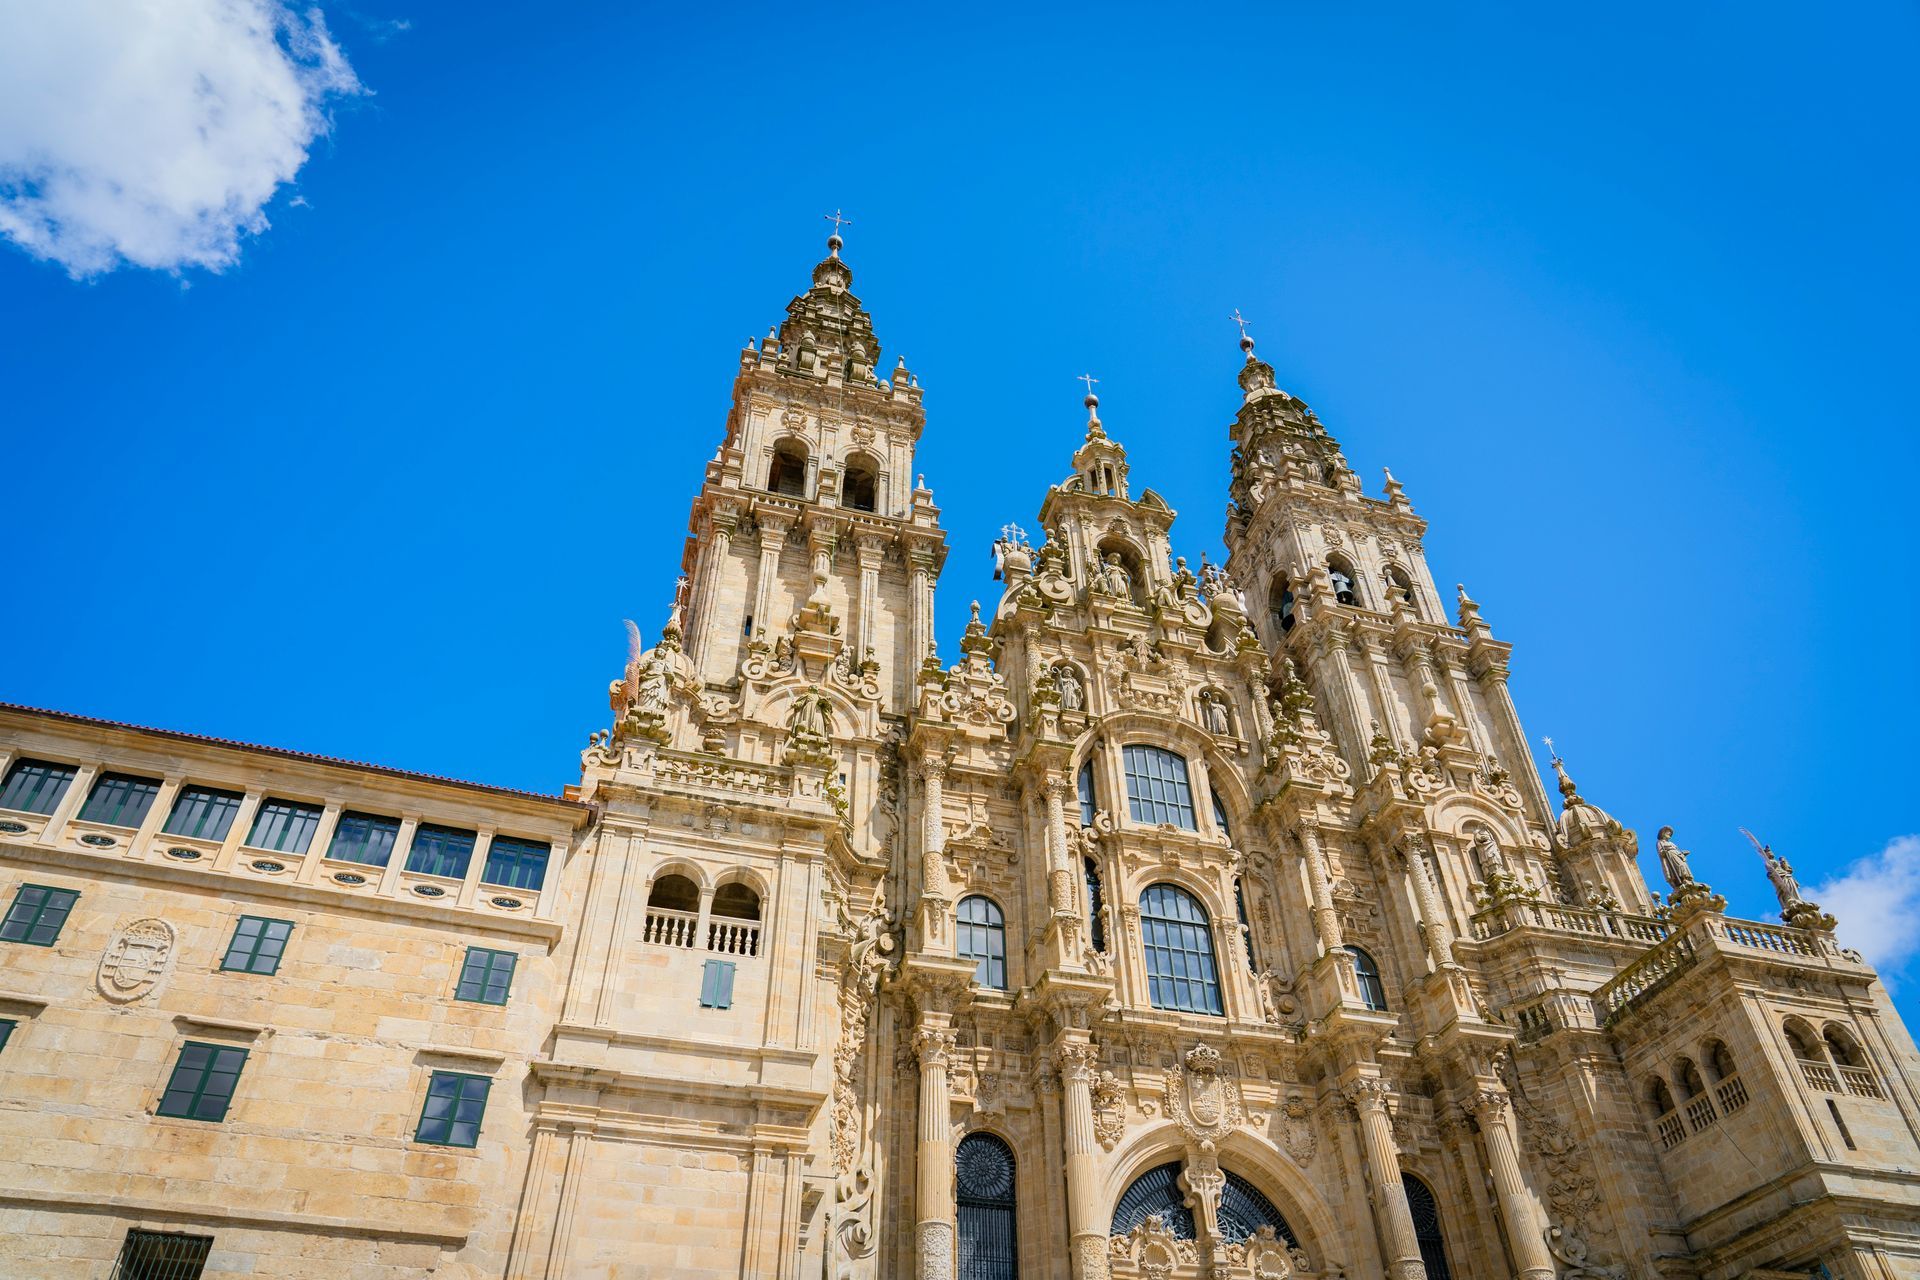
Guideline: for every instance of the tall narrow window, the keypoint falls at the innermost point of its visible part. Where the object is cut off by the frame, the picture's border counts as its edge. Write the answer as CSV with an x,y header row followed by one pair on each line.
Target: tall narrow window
x,y
35,786
1246,928
517,864
162,1255
984,1202
456,1103
1096,906
716,984
1089,803
1400,586
982,937
1181,973
120,800
363,838
1280,603
257,945
485,976
1426,1227
440,851
37,914
203,1082
1373,992
1220,815
859,485
787,476
1158,788
284,826
203,813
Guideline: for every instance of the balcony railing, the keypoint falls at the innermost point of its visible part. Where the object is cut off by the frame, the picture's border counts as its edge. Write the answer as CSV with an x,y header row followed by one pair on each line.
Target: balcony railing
x,y
1643,977
1671,1130
1859,1081
1700,1112
669,928
1769,937
734,937
1732,1093
1518,913
1820,1076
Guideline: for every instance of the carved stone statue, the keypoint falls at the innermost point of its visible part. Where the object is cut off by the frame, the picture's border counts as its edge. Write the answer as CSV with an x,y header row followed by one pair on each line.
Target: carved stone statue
x,y
1073,696
811,715
650,685
1785,887
1213,714
1114,578
1673,860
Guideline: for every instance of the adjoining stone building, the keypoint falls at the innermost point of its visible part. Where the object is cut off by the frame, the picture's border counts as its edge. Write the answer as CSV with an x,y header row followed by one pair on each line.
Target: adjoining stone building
x,y
1191,924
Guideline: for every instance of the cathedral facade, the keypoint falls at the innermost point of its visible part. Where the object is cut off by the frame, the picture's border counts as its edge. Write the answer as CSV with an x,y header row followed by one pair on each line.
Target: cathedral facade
x,y
1192,923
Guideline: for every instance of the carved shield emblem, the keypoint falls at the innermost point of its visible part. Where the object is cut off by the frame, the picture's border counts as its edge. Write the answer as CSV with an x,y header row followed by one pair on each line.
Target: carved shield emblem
x,y
136,960
1202,1099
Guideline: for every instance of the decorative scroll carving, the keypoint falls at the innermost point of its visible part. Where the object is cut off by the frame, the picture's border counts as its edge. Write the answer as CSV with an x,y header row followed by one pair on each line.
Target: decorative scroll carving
x,y
867,959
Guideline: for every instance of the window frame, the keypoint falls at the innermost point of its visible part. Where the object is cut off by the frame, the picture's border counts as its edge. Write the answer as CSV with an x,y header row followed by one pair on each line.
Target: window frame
x,y
1165,793
490,958
993,928
170,1258
452,1117
373,823
48,894
49,770
437,833
1187,969
716,984
216,802
207,1071
295,812
140,792
1366,973
518,856
7,1027
261,938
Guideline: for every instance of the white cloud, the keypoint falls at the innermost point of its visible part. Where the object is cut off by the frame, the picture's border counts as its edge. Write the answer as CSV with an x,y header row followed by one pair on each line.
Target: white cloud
x,y
154,132
1877,900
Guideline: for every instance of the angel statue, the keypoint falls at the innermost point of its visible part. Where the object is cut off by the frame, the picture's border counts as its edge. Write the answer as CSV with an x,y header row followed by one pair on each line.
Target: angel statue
x,y
1785,886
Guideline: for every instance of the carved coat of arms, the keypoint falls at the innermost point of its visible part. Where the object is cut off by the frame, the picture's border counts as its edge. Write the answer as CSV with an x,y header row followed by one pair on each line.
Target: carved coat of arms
x,y
136,960
1201,1099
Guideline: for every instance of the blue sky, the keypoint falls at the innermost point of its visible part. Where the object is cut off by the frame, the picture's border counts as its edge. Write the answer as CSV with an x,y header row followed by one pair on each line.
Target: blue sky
x,y
1622,297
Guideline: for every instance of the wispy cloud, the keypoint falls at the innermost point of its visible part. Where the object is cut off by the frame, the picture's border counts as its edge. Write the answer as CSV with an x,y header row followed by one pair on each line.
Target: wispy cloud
x,y
155,134
1877,900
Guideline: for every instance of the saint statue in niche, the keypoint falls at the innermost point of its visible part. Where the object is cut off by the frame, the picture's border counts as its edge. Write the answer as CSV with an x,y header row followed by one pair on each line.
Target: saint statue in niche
x,y
1073,697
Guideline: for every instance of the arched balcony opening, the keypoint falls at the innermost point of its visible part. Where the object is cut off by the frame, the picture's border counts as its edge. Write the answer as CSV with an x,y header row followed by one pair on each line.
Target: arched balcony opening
x,y
734,924
860,484
787,476
673,912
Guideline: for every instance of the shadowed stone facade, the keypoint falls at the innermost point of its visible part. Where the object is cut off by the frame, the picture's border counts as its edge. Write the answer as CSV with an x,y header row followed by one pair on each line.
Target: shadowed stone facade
x,y
1192,923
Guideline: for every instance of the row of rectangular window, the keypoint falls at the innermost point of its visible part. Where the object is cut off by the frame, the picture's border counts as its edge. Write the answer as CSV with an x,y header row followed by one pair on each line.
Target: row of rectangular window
x,y
38,912
206,1076
281,826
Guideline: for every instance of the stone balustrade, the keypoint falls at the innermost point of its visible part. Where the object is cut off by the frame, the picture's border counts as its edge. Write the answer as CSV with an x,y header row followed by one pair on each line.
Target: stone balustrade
x,y
668,928
1643,977
1528,913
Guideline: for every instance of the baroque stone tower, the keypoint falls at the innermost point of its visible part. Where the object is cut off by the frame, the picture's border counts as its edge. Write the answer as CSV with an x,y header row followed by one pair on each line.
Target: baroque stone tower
x,y
1192,924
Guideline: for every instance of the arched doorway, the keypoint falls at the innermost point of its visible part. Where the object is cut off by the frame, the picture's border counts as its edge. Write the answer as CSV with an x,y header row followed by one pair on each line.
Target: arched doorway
x,y
983,1172
1160,1227
1426,1227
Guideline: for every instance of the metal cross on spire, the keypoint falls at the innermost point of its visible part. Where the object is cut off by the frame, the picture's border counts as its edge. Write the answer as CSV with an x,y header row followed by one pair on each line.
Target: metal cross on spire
x,y
1550,750
1089,379
1240,320
836,220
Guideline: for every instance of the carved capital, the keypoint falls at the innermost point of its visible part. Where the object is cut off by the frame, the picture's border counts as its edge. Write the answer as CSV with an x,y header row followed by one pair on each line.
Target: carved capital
x,y
1366,1094
1077,1062
933,1046
1490,1106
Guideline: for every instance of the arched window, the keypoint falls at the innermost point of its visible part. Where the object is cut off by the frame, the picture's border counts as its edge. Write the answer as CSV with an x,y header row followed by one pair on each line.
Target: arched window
x,y
1373,992
1720,1062
736,901
1220,815
982,937
1158,788
788,474
1096,906
1805,1046
1659,1097
860,484
1401,586
1157,1192
1346,589
1181,973
1845,1052
673,892
1244,1210
1688,1076
1426,1227
1280,603
983,1196
1089,802
734,927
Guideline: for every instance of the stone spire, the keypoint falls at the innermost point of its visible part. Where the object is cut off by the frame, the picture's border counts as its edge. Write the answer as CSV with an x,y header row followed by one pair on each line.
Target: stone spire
x,y
828,327
1100,465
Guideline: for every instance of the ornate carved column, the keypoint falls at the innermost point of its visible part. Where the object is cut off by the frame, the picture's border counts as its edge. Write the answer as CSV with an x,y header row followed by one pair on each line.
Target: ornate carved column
x,y
1326,920
920,605
1516,1206
773,537
871,548
709,568
1078,1061
933,1161
1368,1098
1439,932
935,897
1060,895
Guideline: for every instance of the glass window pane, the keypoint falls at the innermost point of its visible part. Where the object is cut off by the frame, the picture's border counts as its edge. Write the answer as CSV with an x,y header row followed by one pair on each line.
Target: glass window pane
x,y
1178,947
516,864
364,838
284,826
440,851
1158,787
202,813
120,800
35,786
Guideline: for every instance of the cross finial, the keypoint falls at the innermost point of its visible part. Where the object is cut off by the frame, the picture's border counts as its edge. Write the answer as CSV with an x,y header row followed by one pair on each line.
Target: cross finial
x,y
1089,379
1550,751
837,220
1240,320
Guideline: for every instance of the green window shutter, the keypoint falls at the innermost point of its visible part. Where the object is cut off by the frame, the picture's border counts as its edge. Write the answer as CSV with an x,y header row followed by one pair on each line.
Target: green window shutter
x,y
257,945
716,985
37,914
486,976
203,1082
